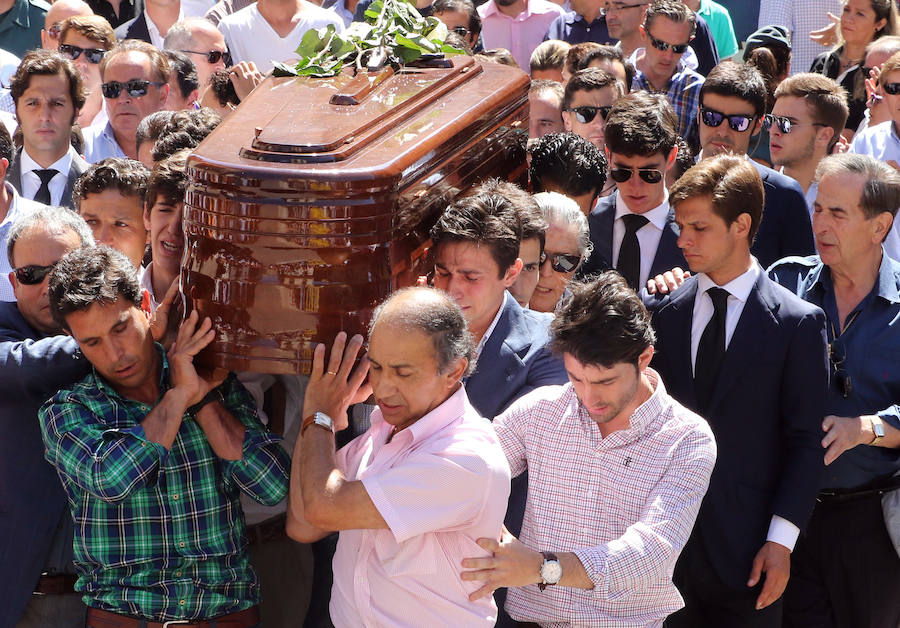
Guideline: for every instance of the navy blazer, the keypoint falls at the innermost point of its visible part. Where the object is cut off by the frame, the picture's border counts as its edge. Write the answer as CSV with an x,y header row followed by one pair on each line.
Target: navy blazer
x,y
600,223
134,29
32,502
785,228
766,413
76,169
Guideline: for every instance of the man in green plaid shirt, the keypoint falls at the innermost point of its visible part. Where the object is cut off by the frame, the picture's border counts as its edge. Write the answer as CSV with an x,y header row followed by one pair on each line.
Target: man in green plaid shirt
x,y
152,457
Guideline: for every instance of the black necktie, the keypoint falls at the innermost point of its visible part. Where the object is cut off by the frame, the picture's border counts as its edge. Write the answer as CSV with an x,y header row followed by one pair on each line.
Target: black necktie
x,y
711,349
629,262
43,193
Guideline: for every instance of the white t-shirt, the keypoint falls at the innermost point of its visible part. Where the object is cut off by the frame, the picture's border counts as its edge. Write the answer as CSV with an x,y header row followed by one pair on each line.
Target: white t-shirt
x,y
251,38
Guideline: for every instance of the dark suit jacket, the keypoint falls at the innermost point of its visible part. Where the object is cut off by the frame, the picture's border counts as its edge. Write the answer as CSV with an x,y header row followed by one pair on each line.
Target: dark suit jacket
x,y
600,222
79,165
32,502
785,228
766,414
134,29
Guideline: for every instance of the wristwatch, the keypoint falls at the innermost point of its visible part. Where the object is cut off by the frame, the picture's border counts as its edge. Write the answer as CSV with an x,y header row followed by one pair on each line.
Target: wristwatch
x,y
551,571
213,395
319,418
878,428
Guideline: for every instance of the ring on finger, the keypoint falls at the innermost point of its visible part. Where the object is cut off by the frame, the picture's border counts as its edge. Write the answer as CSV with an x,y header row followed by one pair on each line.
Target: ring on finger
x,y
330,372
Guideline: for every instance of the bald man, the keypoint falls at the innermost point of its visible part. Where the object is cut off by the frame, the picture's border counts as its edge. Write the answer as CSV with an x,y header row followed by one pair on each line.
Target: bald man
x,y
59,11
202,42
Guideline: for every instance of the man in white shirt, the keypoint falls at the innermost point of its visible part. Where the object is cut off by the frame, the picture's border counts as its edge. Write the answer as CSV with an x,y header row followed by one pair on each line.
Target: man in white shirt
x,y
271,30
48,93
153,23
517,25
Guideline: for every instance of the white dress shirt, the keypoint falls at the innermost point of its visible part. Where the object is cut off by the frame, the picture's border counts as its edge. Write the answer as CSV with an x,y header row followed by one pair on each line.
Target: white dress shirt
x,y
17,206
490,329
156,38
31,182
648,236
781,530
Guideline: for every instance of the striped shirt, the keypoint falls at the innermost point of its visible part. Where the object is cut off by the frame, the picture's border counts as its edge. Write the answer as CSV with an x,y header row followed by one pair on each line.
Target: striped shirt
x,y
159,534
624,504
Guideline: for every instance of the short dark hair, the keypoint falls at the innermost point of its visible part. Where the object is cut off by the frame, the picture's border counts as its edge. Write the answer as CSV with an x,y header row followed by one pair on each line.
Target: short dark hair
x,y
461,6
673,10
588,80
185,129
185,71
577,54
127,176
41,62
739,80
603,307
827,101
608,53
684,160
732,184
530,215
168,179
93,27
7,151
881,191
489,220
151,127
642,124
89,275
566,162
440,318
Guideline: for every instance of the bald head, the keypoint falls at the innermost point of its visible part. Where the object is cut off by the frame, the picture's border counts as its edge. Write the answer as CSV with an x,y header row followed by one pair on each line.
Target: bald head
x,y
197,37
59,11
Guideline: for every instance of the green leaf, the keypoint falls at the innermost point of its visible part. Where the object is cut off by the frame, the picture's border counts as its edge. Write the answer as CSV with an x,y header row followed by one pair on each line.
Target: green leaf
x,y
282,69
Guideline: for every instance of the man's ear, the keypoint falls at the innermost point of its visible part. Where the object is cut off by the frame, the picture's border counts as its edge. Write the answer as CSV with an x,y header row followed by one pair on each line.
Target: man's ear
x,y
645,357
881,225
512,273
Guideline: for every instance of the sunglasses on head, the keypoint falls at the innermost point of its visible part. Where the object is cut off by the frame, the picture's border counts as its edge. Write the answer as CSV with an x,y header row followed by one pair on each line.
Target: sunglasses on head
x,y
586,114
32,274
891,88
713,118
648,175
837,355
135,88
93,55
213,56
561,262
663,46
784,124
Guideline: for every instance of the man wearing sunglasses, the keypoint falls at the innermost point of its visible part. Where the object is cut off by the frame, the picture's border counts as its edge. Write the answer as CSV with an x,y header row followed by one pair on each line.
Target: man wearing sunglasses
x,y
48,93
203,43
632,230
667,32
846,569
59,12
85,40
732,106
809,113
748,356
36,360
589,96
135,79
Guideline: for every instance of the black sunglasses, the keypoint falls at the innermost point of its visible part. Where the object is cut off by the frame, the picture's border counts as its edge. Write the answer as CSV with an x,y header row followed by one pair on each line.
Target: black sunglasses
x,y
784,124
135,88
561,262
837,354
93,55
891,88
586,114
713,118
32,274
213,56
663,46
648,175
462,31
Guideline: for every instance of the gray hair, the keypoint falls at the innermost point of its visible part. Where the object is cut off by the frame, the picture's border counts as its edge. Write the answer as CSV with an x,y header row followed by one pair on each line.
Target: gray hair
x,y
434,313
54,220
181,34
881,191
562,211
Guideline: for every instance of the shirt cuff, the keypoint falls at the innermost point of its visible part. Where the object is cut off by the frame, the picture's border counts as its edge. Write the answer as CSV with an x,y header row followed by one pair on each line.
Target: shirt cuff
x,y
783,532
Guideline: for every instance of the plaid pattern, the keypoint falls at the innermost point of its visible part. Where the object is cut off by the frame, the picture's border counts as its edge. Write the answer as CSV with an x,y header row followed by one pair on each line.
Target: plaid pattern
x,y
624,504
158,534
683,92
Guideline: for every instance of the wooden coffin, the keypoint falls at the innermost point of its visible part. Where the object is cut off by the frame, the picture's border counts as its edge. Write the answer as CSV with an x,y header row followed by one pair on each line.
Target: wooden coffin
x,y
302,214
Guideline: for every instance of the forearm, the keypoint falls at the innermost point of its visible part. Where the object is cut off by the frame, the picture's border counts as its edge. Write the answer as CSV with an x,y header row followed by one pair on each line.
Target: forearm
x,y
319,477
161,425
223,431
298,528
573,572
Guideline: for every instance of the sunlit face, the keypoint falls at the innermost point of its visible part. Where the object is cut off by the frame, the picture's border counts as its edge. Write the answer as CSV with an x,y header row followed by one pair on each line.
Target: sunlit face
x,y
799,146
460,20
709,244
403,372
559,239
659,63
722,138
545,114
117,221
640,196
624,17
530,254
595,130
176,101
90,72
613,67
892,102
858,22
39,247
206,39
126,112
45,112
163,221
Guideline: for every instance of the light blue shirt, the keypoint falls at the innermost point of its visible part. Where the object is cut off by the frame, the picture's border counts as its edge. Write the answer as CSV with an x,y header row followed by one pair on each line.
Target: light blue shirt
x,y
100,143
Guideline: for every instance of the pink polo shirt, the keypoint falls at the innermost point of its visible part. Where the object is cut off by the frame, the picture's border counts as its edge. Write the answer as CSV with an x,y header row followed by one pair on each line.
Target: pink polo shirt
x,y
521,34
440,484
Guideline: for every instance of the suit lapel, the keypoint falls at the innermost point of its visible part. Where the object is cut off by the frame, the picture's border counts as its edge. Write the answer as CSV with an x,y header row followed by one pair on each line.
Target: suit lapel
x,y
667,253
678,334
14,174
490,372
76,169
604,218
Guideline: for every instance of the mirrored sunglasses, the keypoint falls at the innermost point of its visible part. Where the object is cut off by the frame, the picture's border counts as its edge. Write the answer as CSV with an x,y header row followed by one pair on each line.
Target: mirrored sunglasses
x,y
713,118
785,124
213,56
663,46
462,31
93,55
32,274
648,175
560,262
136,88
586,114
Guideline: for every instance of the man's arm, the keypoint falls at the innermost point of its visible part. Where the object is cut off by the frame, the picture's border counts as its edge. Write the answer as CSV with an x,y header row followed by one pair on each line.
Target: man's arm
x,y
843,433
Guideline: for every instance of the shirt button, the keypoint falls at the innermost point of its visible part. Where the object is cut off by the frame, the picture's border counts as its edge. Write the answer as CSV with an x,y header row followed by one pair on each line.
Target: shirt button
x,y
182,602
175,496
181,544
177,574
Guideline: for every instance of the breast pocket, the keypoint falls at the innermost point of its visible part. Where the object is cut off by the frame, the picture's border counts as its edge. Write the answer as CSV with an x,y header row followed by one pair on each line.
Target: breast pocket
x,y
417,556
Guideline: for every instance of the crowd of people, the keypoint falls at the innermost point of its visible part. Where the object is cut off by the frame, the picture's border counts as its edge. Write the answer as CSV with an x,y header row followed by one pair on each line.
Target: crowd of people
x,y
657,385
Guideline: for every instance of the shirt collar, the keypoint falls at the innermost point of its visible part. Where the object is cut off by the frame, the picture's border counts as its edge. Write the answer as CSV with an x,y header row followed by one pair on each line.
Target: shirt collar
x,y
642,416
658,215
885,285
739,287
490,329
62,164
153,30
454,407
103,385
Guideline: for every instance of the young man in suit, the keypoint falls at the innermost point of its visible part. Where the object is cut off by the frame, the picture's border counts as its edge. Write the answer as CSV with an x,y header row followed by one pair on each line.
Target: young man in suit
x,y
48,93
749,356
632,229
732,106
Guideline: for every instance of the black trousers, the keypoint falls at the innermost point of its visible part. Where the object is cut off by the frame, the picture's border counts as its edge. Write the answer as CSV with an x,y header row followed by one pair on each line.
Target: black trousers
x,y
845,571
711,603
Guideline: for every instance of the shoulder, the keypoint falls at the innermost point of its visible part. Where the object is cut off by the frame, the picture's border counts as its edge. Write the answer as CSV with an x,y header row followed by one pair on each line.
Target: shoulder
x,y
73,405
545,401
545,7
790,306
123,30
246,16
776,179
12,326
315,13
691,79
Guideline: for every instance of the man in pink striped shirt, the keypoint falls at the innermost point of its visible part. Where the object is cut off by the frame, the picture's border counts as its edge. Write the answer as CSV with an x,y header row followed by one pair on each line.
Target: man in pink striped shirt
x,y
617,470
413,494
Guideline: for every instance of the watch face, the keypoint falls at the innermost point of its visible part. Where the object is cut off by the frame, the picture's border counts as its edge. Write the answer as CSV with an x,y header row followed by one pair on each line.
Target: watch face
x,y
551,571
324,420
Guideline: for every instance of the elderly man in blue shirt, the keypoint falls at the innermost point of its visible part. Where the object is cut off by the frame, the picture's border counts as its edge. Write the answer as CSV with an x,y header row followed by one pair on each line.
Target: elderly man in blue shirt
x,y
846,571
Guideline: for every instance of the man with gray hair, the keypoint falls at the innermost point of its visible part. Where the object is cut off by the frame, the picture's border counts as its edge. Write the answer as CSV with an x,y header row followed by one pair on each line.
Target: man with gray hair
x,y
36,359
858,286
427,477
203,43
